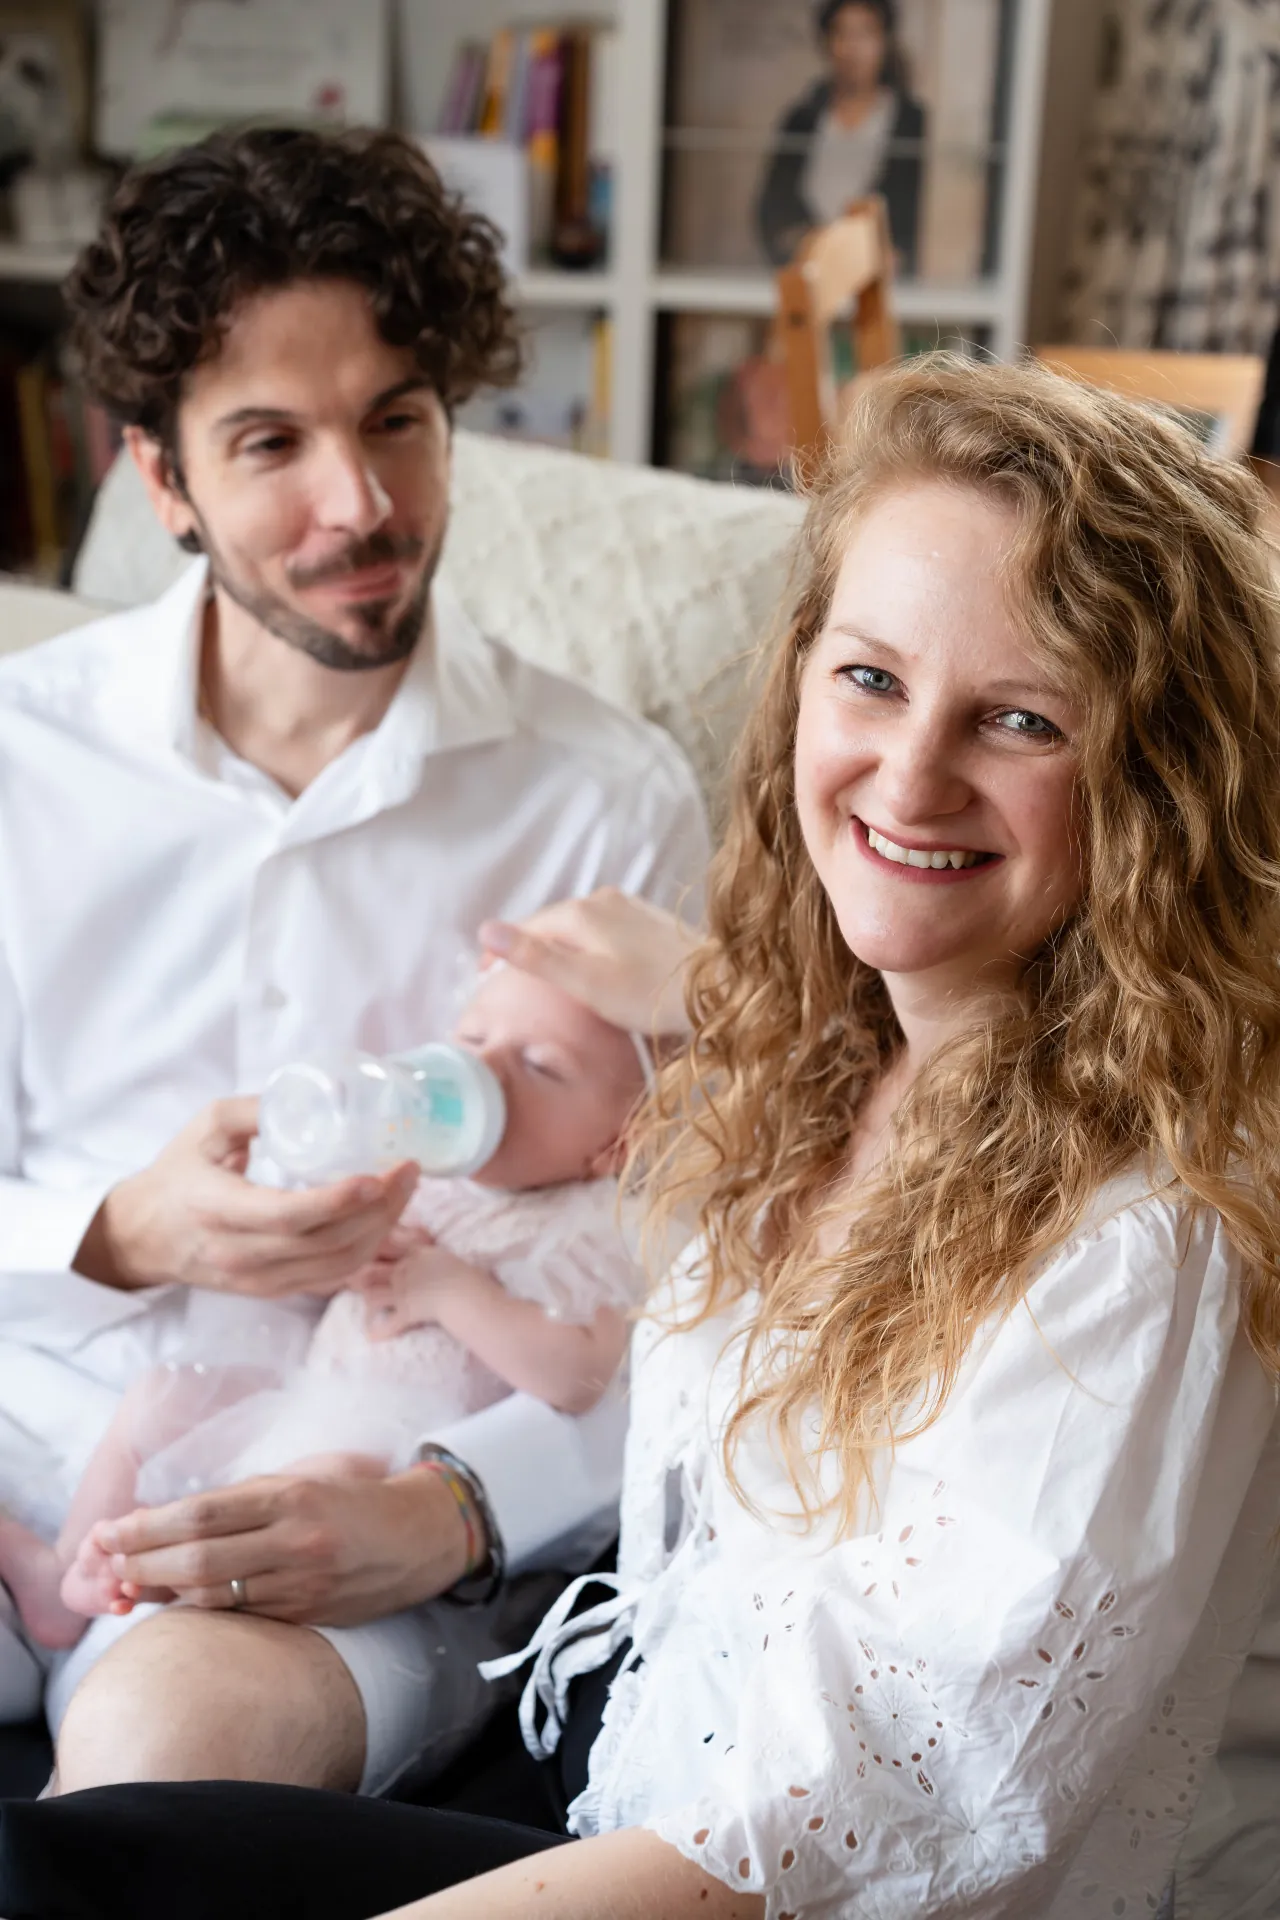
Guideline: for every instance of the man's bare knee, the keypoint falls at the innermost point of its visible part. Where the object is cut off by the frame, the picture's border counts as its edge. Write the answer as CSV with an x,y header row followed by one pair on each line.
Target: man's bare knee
x,y
199,1696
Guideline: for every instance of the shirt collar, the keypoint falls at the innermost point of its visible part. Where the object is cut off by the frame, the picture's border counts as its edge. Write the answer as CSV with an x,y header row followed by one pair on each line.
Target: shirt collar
x,y
452,695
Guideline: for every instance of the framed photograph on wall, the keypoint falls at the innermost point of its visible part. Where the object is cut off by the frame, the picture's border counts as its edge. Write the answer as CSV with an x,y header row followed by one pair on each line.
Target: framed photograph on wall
x,y
206,61
780,112
44,86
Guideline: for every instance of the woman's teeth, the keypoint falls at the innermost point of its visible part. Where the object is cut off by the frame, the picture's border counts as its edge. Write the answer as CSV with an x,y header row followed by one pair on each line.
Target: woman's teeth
x,y
916,857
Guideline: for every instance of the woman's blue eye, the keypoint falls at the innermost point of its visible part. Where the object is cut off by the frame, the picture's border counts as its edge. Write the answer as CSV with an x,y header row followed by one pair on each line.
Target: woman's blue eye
x,y
1028,726
872,679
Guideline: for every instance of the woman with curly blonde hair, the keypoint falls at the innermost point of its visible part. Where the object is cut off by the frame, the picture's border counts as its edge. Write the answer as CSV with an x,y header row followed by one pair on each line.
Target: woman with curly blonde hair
x,y
953,1478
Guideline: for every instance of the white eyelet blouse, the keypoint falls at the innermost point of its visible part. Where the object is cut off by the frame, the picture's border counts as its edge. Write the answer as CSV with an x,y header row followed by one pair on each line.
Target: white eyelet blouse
x,y
996,1699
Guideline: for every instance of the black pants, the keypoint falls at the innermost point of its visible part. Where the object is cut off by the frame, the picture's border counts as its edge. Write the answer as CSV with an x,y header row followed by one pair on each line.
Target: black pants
x,y
221,1850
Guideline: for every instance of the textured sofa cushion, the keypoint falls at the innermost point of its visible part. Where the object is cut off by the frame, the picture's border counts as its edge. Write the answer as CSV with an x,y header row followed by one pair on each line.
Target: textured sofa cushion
x,y
650,587
28,614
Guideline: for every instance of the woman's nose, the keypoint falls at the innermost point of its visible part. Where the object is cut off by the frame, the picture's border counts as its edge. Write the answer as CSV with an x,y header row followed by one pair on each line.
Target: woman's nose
x,y
921,773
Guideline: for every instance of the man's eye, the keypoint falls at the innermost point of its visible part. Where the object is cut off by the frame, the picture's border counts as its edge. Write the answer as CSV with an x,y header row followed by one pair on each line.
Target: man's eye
x,y
397,422
269,444
871,679
1027,725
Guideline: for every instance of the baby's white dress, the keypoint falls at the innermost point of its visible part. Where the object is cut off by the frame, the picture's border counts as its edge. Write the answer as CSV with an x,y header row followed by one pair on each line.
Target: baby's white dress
x,y
997,1698
567,1248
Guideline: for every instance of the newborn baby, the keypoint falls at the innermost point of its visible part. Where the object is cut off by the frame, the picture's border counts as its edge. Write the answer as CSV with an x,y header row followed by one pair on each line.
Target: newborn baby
x,y
519,1278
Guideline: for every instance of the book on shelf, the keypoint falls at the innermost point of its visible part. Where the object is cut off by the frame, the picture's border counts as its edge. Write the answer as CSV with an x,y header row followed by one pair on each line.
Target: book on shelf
x,y
493,106
461,107
542,133
771,131
547,90
55,448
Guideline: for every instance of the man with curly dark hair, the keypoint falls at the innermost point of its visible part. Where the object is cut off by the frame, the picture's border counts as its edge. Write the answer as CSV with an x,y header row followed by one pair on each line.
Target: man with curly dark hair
x,y
259,818
360,232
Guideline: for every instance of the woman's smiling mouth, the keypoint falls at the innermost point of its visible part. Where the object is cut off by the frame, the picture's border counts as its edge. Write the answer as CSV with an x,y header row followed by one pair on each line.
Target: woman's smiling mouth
x,y
921,863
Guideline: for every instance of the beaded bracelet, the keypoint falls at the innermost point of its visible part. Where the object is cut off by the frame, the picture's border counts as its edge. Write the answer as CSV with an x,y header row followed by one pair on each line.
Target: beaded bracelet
x,y
475,1554
486,1557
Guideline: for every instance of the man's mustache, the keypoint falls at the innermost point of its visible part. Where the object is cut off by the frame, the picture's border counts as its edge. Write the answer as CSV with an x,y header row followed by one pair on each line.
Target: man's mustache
x,y
377,551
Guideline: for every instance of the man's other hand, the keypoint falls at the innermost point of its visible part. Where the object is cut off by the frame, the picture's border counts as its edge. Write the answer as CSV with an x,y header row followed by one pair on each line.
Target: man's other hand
x,y
326,1551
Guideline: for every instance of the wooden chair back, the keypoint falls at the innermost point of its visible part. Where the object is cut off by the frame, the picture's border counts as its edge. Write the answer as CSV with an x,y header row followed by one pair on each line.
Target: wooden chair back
x,y
846,266
1227,387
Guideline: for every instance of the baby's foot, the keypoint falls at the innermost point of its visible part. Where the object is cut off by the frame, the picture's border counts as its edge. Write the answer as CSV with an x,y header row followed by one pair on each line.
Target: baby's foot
x,y
89,1586
32,1572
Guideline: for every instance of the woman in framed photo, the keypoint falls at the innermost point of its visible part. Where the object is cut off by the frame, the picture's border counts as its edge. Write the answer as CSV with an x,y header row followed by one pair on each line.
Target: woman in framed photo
x,y
857,130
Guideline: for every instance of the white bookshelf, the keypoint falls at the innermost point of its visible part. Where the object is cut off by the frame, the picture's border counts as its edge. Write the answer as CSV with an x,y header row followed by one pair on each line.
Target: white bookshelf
x,y
636,288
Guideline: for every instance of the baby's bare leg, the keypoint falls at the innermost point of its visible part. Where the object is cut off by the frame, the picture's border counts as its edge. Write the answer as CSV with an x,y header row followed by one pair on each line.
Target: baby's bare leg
x,y
156,1410
32,1570
53,1590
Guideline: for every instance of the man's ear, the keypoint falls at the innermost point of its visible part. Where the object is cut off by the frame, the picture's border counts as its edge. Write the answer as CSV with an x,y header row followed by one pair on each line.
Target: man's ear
x,y
172,508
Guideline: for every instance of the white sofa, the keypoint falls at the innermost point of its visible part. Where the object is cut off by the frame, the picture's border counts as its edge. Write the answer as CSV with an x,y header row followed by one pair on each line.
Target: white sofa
x,y
651,587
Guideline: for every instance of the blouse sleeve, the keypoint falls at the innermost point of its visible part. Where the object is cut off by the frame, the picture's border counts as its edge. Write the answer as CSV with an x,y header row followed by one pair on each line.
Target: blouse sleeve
x,y
933,1712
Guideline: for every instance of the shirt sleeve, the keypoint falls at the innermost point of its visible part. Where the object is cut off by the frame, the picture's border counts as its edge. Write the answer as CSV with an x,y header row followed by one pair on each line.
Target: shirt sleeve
x,y
927,1717
551,1479
40,1227
663,845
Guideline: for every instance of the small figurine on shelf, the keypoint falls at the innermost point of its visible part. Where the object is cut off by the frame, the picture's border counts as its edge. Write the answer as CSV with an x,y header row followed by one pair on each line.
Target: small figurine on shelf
x,y
35,115
858,130
54,200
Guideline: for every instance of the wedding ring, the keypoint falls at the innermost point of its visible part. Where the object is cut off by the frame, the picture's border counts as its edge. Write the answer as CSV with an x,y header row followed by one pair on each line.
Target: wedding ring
x,y
239,1595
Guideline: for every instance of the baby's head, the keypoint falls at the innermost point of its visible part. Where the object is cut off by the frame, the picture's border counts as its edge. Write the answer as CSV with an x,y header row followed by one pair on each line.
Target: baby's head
x,y
571,1081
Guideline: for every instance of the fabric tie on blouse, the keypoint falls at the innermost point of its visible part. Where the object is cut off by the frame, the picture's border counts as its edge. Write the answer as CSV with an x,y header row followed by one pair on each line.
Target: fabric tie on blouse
x,y
566,1646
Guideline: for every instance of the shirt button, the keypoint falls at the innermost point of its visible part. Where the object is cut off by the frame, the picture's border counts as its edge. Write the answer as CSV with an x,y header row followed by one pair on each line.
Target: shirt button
x,y
273,997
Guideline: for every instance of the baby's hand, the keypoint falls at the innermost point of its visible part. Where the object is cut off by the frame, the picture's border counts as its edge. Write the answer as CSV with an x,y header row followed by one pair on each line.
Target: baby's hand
x,y
403,1288
388,1311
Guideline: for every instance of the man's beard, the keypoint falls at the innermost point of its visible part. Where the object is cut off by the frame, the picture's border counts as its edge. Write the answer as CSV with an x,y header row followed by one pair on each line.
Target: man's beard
x,y
389,640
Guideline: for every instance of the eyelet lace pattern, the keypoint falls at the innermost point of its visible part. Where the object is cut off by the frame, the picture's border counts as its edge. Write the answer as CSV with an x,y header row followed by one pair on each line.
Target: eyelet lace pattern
x,y
996,1700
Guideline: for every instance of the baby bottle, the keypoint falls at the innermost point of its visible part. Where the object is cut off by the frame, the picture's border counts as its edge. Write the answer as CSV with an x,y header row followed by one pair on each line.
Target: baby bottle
x,y
352,1112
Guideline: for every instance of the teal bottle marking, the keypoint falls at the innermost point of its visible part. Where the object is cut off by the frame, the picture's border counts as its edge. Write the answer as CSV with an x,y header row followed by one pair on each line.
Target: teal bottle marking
x,y
444,1104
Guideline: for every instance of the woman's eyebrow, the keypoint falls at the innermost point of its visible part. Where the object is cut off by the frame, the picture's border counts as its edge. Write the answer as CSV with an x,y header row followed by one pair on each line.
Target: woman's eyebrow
x,y
848,632
1034,689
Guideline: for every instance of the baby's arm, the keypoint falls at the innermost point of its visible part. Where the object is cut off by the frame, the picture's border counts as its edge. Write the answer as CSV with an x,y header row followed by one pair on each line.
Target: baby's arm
x,y
567,1365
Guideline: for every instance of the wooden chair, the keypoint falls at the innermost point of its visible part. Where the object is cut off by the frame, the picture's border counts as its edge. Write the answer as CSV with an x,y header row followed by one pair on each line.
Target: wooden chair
x,y
844,267
1225,388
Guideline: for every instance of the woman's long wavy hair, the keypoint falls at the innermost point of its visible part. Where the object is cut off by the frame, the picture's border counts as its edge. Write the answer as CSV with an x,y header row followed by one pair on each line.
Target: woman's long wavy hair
x,y
1148,1029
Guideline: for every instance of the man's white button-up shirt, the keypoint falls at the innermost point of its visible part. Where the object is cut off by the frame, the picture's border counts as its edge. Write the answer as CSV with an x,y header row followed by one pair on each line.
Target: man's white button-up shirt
x,y
173,925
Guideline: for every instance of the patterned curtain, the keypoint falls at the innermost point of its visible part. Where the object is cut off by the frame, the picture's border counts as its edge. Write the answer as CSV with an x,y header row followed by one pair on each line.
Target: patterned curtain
x,y
1178,238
